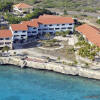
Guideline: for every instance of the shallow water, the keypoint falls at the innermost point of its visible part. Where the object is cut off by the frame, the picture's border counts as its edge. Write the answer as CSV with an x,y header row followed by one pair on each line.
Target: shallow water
x,y
30,84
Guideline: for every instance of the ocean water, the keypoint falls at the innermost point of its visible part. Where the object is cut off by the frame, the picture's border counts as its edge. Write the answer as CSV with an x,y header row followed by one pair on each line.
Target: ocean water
x,y
30,84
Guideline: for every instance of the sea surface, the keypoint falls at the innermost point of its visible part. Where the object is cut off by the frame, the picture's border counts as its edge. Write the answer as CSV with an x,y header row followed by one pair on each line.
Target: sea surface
x,y
30,84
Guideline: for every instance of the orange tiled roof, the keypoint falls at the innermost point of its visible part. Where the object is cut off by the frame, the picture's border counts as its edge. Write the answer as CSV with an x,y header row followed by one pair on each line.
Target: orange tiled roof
x,y
48,16
22,5
33,23
16,27
52,19
61,20
92,33
48,19
5,33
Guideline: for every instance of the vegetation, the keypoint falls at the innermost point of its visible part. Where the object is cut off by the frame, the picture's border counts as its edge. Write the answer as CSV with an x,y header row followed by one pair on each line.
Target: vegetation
x,y
12,19
48,35
87,50
63,33
6,48
5,5
59,58
98,21
79,5
50,43
70,50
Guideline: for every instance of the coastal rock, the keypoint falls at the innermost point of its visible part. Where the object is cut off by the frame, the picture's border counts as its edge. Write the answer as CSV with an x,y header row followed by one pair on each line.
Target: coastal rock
x,y
64,69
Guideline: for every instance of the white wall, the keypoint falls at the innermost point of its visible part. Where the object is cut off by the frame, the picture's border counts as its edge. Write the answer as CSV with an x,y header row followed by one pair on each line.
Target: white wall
x,y
56,27
32,31
19,34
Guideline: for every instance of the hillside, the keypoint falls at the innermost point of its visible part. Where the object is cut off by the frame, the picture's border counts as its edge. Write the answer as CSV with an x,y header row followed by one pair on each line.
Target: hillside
x,y
79,5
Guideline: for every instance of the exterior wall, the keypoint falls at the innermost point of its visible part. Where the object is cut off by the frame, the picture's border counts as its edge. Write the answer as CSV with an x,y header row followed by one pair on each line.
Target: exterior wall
x,y
6,42
32,31
41,30
52,28
19,35
17,10
22,10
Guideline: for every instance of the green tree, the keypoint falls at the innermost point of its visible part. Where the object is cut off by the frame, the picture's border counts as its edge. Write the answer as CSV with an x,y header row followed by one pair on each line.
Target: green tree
x,y
48,35
6,48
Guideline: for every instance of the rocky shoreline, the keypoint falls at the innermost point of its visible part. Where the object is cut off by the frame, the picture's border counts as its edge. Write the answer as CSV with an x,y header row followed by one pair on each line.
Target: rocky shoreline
x,y
60,68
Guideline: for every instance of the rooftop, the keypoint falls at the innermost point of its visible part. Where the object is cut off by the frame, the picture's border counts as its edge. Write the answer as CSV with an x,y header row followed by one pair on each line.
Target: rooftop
x,y
5,33
44,19
33,23
22,5
92,33
53,19
19,27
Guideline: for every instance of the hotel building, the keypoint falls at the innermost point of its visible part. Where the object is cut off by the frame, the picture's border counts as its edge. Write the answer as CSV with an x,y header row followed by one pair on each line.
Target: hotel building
x,y
90,33
6,38
39,27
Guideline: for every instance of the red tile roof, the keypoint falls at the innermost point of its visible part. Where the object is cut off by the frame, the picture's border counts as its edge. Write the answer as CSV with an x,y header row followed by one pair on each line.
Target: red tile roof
x,y
22,5
52,19
45,19
92,33
19,27
48,16
5,33
33,23
60,20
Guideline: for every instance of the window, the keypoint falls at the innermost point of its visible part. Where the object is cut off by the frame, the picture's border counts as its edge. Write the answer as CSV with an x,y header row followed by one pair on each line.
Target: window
x,y
1,39
51,32
1,43
57,24
23,35
20,9
24,31
50,25
7,38
39,29
56,28
51,28
33,31
34,28
15,32
70,24
69,27
7,42
16,35
45,25
63,24
45,29
28,32
63,28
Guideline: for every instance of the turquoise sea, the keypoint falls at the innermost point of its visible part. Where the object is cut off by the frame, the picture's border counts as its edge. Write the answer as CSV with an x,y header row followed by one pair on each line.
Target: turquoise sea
x,y
30,84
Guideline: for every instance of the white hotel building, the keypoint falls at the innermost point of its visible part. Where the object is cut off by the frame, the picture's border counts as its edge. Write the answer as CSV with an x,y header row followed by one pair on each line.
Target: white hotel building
x,y
40,26
48,24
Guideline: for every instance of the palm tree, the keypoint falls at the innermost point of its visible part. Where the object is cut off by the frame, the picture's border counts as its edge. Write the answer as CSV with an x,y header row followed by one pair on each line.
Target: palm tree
x,y
6,48
48,35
